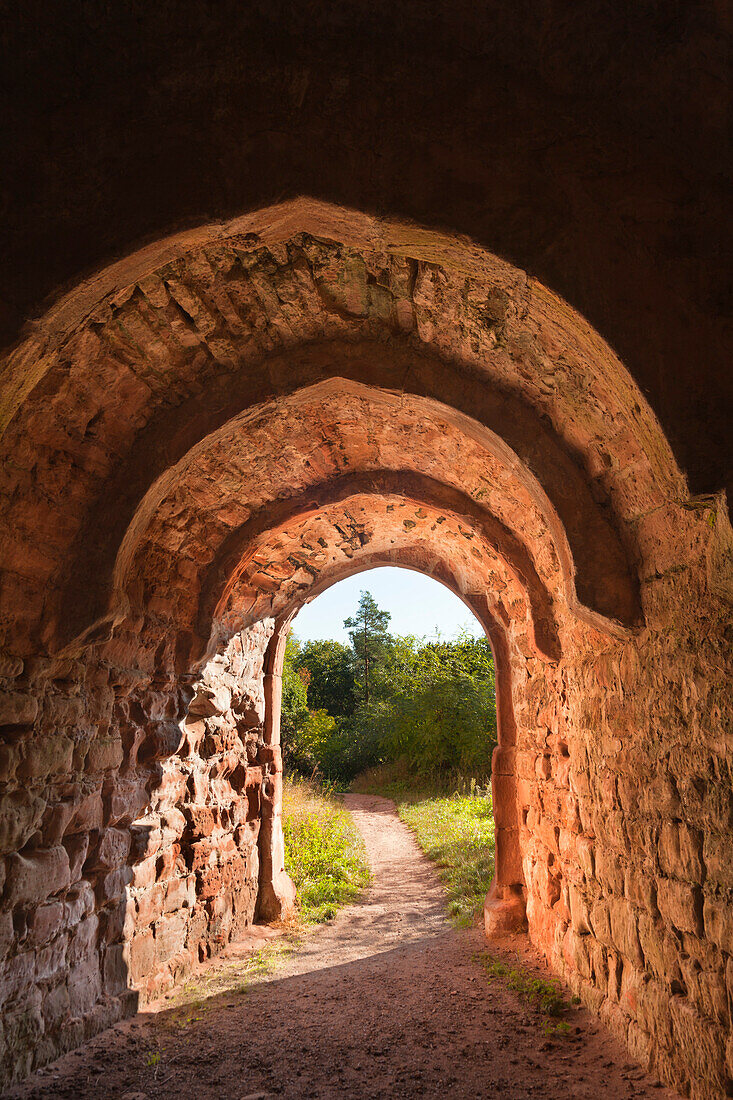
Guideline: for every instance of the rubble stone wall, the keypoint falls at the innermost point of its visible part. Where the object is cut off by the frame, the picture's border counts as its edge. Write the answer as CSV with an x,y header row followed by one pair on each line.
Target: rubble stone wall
x,y
132,806
130,813
624,769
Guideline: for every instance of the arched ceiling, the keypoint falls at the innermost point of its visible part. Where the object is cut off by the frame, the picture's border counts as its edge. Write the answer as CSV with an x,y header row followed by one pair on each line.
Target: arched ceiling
x,y
394,507
301,453
312,441
590,148
219,374
297,559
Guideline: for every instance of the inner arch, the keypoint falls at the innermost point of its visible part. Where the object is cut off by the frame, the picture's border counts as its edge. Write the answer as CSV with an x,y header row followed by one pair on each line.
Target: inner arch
x,y
505,905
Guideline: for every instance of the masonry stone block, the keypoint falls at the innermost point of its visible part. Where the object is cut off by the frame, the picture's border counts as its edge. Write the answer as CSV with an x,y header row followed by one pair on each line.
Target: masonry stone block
x,y
717,860
7,933
579,912
681,904
149,764
83,940
718,922
79,902
89,812
51,960
115,970
700,1043
77,847
141,954
112,850
45,921
17,709
34,877
624,930
680,851
21,813
84,983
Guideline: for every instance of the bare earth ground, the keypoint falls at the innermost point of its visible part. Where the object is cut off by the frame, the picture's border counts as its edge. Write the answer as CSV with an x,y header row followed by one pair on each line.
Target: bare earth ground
x,y
388,1000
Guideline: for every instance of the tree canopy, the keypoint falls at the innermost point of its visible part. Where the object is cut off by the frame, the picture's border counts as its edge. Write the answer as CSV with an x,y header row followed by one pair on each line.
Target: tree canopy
x,y
332,683
387,698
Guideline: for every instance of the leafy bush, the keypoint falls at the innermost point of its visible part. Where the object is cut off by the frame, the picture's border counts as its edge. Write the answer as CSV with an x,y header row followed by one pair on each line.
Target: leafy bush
x,y
443,708
294,713
331,675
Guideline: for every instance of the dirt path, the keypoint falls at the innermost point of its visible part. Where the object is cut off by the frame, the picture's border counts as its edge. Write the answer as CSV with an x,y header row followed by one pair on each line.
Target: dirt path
x,y
386,1001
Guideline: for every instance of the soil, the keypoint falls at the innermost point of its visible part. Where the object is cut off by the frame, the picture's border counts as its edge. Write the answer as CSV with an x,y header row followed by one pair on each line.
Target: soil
x,y
387,1000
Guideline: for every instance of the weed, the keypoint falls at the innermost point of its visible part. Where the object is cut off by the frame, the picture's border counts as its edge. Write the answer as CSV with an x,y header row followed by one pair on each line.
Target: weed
x,y
560,1029
194,1016
261,964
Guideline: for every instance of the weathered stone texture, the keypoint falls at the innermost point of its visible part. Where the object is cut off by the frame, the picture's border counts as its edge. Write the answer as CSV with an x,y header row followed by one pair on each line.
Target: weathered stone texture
x,y
648,920
271,312
116,892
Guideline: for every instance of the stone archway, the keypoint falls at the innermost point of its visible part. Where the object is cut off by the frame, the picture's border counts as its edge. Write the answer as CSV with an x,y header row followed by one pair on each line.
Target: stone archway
x,y
505,906
199,437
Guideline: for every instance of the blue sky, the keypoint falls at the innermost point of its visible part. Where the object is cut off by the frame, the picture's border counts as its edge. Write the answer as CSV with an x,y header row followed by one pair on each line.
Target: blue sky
x,y
418,605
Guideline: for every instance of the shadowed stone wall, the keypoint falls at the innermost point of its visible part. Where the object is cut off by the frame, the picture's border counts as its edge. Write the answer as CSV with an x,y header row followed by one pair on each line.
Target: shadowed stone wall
x,y
625,794
135,808
195,872
589,146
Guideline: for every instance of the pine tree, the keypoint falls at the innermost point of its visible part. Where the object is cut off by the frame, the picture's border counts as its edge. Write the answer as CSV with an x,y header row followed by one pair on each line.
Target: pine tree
x,y
368,632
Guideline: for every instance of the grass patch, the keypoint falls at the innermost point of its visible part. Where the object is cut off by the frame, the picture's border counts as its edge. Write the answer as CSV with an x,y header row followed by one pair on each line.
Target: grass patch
x,y
324,852
263,962
546,997
453,822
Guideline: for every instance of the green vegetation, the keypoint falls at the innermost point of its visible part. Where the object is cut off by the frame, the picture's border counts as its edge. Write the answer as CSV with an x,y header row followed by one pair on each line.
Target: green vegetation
x,y
457,832
327,668
453,823
546,997
260,964
413,720
370,641
228,977
386,699
324,853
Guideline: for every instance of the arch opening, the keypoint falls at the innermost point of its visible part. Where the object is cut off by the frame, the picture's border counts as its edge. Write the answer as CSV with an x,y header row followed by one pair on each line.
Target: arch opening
x,y
505,906
208,769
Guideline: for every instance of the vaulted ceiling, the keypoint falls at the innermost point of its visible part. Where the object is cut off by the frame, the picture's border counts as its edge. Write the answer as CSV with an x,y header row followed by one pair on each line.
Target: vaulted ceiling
x,y
588,146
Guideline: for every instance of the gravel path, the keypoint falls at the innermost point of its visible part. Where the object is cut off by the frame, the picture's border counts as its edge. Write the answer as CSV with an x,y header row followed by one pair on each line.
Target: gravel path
x,y
388,1000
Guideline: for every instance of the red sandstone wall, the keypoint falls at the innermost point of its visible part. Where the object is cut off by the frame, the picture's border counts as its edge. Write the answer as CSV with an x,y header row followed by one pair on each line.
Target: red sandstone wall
x,y
195,875
624,800
625,794
123,865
